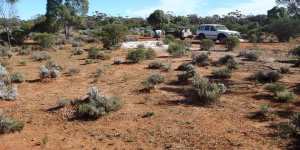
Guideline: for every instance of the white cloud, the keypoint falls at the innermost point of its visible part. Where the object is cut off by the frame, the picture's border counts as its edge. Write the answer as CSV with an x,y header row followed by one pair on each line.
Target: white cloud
x,y
181,7
249,8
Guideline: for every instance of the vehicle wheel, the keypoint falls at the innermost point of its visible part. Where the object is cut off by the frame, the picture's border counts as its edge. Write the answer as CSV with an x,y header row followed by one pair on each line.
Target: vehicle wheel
x,y
201,36
222,38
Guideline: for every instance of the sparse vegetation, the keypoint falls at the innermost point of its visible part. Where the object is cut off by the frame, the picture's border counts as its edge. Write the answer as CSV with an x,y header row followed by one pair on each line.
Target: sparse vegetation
x,y
200,59
152,81
266,76
280,92
223,73
45,40
9,125
177,49
250,55
231,43
17,77
169,39
138,55
207,44
97,105
207,92
40,56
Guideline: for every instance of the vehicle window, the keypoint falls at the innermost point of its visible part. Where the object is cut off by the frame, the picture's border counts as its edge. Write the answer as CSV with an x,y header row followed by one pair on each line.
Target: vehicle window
x,y
213,29
201,28
221,28
207,28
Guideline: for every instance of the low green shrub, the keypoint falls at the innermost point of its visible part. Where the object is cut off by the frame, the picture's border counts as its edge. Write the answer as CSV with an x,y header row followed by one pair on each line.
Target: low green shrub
x,y
45,40
77,51
9,125
97,105
152,81
284,70
231,43
17,77
200,59
177,49
138,55
267,76
40,56
169,39
207,44
207,92
280,92
223,73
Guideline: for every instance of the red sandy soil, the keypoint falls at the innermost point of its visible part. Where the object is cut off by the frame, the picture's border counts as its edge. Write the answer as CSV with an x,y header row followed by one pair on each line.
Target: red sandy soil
x,y
175,124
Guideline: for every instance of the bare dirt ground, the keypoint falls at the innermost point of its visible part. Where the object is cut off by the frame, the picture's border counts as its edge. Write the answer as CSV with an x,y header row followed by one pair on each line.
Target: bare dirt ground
x,y
176,124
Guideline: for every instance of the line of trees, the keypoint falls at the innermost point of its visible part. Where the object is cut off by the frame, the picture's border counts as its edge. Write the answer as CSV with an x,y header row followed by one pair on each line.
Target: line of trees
x,y
65,15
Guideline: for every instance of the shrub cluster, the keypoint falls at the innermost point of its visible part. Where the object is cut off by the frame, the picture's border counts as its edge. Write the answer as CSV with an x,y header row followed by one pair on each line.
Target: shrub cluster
x,y
159,65
231,43
112,34
200,59
45,40
250,55
152,81
138,55
266,76
9,125
207,92
280,92
229,61
7,90
169,39
5,52
17,77
223,73
40,56
96,53
77,51
50,70
177,48
207,44
188,72
97,105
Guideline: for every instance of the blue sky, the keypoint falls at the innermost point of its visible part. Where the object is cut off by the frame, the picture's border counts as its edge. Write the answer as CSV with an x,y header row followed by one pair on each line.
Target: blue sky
x,y
141,8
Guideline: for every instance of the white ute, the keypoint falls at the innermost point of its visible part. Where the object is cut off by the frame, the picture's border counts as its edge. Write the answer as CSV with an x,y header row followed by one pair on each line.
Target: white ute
x,y
215,32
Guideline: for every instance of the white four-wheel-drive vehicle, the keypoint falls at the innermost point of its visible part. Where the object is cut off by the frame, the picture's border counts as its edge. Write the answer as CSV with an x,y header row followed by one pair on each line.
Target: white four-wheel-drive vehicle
x,y
215,32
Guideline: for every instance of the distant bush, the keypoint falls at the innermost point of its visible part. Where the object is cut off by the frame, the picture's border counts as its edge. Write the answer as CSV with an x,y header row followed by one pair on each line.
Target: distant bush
x,y
136,56
45,40
7,90
77,51
112,35
9,125
169,39
159,65
284,70
152,81
188,72
40,56
231,43
296,51
207,44
223,73
284,96
73,71
280,92
201,59
184,66
24,51
150,54
5,52
224,60
266,76
17,77
49,72
97,105
232,64
141,54
250,56
207,92
177,49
